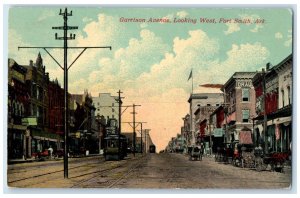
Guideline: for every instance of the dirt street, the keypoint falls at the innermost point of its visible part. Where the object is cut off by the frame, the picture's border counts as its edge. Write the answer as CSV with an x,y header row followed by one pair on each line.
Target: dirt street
x,y
153,171
176,171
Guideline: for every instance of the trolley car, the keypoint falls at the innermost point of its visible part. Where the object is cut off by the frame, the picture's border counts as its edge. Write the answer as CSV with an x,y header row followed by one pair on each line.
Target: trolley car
x,y
152,148
113,150
115,144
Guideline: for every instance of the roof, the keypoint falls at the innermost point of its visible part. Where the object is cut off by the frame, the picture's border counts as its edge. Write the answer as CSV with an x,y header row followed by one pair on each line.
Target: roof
x,y
238,75
280,65
203,96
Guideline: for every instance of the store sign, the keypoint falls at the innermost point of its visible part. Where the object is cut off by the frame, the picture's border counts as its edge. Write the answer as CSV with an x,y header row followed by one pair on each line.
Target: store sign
x,y
19,76
29,121
218,132
244,83
77,134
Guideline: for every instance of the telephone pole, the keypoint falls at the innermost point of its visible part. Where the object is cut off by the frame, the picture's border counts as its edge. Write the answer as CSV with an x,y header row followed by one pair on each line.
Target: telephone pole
x,y
142,138
65,67
119,137
134,135
134,126
265,112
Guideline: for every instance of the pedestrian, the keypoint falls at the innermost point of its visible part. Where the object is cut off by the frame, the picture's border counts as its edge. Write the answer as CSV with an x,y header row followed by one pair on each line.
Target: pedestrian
x,y
50,149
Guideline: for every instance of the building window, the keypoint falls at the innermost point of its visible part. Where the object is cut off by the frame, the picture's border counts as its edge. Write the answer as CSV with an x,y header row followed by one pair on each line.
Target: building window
x,y
245,115
113,104
208,105
282,95
113,110
217,105
245,95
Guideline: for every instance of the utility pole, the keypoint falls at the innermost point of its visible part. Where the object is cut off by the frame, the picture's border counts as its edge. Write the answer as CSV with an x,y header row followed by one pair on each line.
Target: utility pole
x,y
141,131
119,137
265,113
134,134
142,138
65,67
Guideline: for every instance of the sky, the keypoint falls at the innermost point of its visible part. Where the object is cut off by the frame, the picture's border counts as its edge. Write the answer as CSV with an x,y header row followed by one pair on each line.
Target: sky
x,y
150,62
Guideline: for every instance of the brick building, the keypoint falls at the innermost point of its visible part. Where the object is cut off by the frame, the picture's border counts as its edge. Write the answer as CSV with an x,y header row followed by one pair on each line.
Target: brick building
x,y
239,109
273,89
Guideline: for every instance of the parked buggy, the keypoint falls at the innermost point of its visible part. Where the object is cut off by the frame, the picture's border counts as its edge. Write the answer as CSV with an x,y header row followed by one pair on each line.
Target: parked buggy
x,y
224,153
243,156
275,159
196,153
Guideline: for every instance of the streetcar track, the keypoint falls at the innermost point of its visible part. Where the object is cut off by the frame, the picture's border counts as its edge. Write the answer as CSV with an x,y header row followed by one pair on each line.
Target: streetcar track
x,y
41,175
14,168
107,170
28,185
100,171
126,175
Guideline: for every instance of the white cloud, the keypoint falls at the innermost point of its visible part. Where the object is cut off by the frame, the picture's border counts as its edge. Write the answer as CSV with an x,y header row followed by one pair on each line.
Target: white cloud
x,y
253,18
87,19
278,35
21,56
46,14
182,14
128,63
169,16
144,25
256,28
232,27
245,57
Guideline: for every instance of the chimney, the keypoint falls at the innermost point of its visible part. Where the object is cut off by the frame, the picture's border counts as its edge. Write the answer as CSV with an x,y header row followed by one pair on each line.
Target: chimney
x,y
31,63
268,66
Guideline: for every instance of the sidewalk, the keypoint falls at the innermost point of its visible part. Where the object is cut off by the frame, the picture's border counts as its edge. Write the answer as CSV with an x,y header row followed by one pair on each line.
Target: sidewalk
x,y
17,161
29,160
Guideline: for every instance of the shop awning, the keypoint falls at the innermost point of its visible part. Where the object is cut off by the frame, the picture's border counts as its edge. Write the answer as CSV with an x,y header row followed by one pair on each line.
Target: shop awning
x,y
245,137
230,118
16,126
283,120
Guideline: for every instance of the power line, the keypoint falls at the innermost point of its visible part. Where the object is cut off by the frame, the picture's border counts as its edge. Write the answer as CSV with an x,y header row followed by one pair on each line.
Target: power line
x,y
65,67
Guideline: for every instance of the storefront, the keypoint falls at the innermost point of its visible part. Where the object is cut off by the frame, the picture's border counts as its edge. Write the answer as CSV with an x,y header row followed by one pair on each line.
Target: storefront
x,y
15,142
41,141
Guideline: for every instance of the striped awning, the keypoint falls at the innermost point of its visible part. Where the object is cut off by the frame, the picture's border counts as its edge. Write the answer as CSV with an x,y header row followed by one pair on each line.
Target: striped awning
x,y
245,137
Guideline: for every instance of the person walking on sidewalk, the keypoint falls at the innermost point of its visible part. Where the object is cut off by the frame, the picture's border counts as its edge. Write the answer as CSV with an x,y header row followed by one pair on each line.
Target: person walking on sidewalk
x,y
50,149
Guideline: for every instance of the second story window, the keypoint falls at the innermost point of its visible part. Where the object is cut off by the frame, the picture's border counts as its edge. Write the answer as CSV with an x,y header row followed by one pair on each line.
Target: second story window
x,y
282,95
289,95
245,95
245,115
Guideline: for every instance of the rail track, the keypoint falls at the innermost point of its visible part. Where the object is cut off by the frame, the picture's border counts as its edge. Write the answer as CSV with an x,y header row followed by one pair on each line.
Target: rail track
x,y
79,175
134,164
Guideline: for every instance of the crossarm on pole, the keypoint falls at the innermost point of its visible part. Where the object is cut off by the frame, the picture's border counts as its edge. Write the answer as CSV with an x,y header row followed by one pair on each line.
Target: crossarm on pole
x,y
77,58
124,110
53,58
